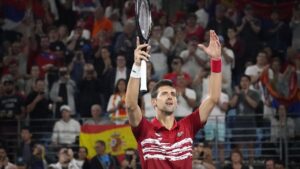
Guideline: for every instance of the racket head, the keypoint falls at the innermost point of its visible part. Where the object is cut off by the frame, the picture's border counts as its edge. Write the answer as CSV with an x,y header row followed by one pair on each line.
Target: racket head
x,y
143,19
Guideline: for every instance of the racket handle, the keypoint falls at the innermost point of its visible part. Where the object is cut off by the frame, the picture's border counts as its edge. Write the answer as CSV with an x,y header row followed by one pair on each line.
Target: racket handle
x,y
143,86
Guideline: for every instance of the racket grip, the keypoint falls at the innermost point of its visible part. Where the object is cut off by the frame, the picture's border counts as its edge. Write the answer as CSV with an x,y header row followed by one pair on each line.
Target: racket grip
x,y
143,86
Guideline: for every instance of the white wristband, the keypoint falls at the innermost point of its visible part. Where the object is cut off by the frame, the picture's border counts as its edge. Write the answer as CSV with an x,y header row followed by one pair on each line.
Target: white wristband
x,y
135,71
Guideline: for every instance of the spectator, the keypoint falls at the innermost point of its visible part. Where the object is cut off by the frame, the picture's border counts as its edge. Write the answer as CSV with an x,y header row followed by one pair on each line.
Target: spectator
x,y
82,160
26,148
16,54
269,164
215,128
220,23
80,31
202,15
194,59
176,70
238,47
45,59
295,27
65,160
125,42
102,160
37,103
76,66
200,83
116,103
38,157
193,29
281,125
63,33
98,117
254,71
33,76
245,100
186,98
101,23
178,42
160,47
249,29
112,76
131,160
89,91
65,130
151,72
236,161
148,107
11,104
276,33
4,161
227,65
63,92
202,157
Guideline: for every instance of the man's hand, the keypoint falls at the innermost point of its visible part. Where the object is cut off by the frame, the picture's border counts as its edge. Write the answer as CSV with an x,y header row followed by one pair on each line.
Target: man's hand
x,y
214,47
140,54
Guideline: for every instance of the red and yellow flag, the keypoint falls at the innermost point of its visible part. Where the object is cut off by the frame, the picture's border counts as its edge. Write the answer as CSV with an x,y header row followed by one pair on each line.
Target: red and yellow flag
x,y
117,138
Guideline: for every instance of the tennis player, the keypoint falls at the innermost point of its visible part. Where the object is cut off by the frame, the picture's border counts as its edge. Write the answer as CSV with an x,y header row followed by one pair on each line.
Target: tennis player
x,y
164,142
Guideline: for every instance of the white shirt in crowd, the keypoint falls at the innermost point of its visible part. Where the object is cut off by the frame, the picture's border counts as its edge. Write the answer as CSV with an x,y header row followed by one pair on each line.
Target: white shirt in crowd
x,y
279,132
227,68
191,66
183,109
72,165
149,109
202,17
216,112
65,132
120,74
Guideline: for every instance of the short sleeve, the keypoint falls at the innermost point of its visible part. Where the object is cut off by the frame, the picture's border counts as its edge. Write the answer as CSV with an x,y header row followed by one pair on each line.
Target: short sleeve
x,y
193,122
140,131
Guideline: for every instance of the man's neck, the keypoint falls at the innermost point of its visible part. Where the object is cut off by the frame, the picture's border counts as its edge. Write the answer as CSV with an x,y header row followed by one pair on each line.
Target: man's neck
x,y
121,69
166,121
27,141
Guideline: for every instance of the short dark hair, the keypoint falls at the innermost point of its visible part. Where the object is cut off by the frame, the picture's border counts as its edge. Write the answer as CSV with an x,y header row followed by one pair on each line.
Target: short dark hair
x,y
159,84
246,76
83,147
101,142
26,128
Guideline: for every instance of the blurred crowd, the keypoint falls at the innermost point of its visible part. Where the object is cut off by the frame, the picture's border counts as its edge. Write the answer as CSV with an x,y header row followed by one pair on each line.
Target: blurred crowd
x,y
70,60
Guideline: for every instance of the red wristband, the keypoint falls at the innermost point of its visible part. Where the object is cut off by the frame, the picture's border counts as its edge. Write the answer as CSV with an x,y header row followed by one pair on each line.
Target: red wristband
x,y
216,65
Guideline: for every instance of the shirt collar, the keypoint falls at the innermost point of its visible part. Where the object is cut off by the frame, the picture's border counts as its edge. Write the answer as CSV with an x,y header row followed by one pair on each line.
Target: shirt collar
x,y
157,125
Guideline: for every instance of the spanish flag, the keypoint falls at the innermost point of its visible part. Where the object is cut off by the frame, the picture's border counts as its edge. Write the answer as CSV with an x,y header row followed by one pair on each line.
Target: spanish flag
x,y
117,138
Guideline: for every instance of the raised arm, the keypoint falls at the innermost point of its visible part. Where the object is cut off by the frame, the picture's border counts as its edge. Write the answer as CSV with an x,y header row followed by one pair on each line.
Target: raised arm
x,y
133,109
215,81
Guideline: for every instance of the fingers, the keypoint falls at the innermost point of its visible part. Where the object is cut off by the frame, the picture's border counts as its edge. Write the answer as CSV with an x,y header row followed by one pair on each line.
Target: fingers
x,y
140,47
137,41
144,55
202,47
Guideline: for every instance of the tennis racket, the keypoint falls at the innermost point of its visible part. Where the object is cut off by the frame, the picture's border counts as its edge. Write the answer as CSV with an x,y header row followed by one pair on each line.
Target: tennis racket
x,y
144,26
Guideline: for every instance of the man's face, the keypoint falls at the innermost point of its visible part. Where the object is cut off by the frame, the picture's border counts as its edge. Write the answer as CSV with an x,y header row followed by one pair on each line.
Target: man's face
x,y
166,100
25,135
261,58
121,61
100,149
2,153
40,86
82,154
244,83
270,164
176,64
96,111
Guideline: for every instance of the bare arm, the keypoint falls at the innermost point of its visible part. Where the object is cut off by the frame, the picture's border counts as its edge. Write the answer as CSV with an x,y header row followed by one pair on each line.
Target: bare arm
x,y
133,109
215,81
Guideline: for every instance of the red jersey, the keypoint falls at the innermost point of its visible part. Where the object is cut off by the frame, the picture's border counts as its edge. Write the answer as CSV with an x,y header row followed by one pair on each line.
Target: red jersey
x,y
162,148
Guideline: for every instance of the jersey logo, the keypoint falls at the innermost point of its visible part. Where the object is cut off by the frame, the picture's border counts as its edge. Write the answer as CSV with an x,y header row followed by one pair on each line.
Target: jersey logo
x,y
179,134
